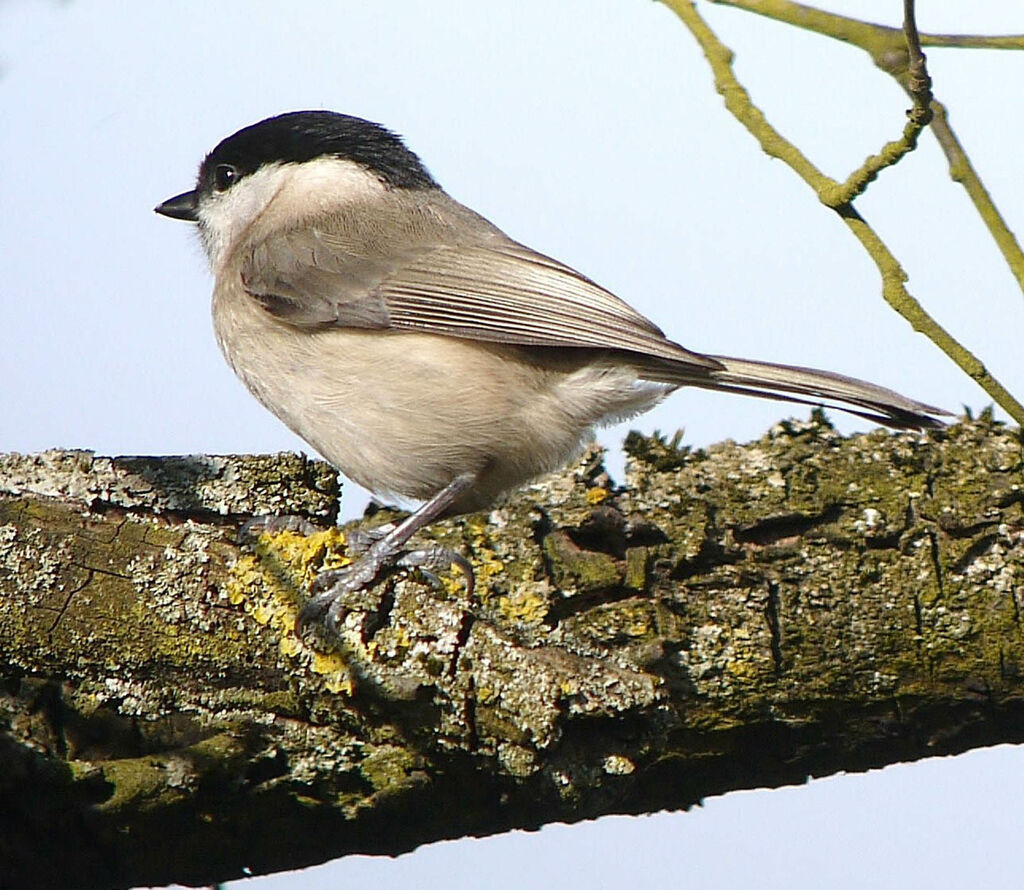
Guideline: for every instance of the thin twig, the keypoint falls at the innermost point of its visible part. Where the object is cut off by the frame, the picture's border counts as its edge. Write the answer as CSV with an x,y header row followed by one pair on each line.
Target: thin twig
x,y
851,30
919,83
975,41
894,278
887,48
919,86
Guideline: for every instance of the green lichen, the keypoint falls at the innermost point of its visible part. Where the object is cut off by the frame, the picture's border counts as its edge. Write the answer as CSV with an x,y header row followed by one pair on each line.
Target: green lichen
x,y
625,641
387,767
574,567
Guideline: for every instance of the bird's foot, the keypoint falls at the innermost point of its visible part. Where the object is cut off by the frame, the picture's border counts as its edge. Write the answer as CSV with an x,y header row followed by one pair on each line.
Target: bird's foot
x,y
431,560
359,540
337,593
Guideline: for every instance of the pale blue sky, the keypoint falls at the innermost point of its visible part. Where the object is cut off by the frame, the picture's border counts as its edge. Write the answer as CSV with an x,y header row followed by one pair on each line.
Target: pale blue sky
x,y
589,130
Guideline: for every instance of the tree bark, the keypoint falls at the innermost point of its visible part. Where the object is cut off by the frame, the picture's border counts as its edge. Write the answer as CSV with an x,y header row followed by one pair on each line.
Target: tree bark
x,y
737,617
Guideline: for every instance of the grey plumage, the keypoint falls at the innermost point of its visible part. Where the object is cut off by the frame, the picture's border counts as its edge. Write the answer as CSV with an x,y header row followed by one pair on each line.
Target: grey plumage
x,y
453,273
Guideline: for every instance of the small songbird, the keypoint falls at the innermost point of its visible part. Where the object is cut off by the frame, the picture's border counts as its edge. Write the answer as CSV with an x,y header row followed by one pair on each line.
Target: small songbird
x,y
418,348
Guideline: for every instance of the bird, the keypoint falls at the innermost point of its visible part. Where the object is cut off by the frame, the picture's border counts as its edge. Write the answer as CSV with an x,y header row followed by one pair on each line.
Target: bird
x,y
417,347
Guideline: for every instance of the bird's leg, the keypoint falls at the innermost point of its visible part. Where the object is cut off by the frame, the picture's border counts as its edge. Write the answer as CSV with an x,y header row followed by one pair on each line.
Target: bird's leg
x,y
359,540
334,589
429,560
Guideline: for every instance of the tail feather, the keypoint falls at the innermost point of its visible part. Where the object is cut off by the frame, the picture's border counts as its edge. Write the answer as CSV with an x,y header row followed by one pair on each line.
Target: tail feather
x,y
810,386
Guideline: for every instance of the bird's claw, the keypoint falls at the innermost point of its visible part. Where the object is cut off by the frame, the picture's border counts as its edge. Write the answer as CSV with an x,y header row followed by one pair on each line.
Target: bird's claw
x,y
339,592
336,592
431,560
348,579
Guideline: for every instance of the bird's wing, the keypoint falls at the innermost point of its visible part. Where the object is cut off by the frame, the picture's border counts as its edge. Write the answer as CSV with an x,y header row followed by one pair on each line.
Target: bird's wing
x,y
503,292
499,292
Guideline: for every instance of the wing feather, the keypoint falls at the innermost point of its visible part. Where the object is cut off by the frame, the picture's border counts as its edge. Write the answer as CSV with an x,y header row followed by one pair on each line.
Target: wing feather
x,y
499,292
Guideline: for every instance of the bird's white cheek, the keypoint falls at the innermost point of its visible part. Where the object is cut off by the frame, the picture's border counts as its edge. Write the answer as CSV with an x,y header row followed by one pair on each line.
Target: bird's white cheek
x,y
212,241
226,216
294,190
222,219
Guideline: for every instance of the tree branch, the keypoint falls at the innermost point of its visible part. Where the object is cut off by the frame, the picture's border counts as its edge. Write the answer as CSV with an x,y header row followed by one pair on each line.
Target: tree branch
x,y
745,616
888,50
897,60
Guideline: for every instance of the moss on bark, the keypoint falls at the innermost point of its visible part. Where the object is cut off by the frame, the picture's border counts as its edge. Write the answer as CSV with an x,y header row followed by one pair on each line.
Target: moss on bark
x,y
741,616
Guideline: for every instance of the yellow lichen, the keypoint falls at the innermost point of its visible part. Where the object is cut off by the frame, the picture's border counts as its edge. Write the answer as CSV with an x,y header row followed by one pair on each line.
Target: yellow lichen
x,y
270,585
340,683
334,669
486,564
400,639
523,606
327,663
246,576
305,555
596,496
289,645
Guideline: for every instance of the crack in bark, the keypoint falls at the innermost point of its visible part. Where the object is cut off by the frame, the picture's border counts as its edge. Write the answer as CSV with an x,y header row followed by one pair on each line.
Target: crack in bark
x,y
773,529
469,713
172,517
773,617
977,549
936,555
579,603
711,555
461,638
110,573
962,532
90,574
918,624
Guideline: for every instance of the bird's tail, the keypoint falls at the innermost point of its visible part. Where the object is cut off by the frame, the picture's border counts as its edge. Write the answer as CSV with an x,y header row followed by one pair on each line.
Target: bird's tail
x,y
810,386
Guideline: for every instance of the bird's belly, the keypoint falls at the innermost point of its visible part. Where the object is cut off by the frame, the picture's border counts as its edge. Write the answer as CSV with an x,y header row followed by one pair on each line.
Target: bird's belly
x,y
405,413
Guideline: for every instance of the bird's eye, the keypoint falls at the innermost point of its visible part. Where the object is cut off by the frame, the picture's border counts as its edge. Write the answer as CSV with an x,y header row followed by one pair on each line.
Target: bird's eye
x,y
224,176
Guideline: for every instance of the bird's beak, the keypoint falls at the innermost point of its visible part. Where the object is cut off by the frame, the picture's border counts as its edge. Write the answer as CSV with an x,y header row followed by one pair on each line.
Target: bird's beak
x,y
181,206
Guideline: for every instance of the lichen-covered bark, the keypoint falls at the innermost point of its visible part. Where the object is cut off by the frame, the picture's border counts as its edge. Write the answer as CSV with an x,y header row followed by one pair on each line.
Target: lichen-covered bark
x,y
742,616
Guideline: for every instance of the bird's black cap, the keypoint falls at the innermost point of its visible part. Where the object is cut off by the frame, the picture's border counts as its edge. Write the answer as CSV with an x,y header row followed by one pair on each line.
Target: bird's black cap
x,y
304,135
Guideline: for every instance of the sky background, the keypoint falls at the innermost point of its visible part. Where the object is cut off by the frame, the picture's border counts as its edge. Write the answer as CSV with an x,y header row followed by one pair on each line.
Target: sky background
x,y
590,130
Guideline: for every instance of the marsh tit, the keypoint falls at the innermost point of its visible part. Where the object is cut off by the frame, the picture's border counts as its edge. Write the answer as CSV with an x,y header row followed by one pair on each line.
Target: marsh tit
x,y
418,348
